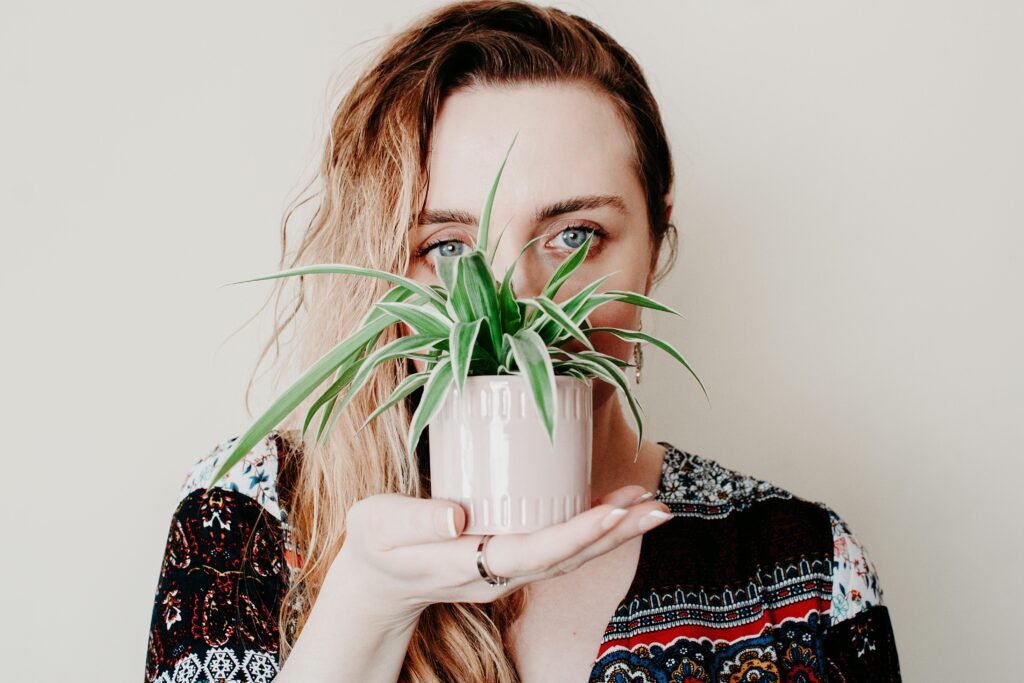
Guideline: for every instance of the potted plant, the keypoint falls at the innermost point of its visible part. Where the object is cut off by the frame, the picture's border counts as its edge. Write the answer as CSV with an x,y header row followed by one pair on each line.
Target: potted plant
x,y
509,410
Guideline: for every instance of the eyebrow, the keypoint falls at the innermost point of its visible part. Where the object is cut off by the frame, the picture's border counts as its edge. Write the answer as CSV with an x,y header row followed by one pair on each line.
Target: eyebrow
x,y
564,206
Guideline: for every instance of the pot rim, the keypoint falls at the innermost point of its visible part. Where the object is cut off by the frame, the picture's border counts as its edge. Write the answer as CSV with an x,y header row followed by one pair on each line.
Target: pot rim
x,y
518,378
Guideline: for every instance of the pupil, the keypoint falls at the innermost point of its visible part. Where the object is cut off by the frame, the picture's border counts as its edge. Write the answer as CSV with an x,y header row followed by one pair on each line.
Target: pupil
x,y
577,234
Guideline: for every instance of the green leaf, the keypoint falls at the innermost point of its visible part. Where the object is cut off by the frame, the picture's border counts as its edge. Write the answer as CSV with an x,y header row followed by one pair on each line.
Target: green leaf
x,y
578,374
641,300
460,301
321,437
526,247
447,269
408,385
343,269
397,348
425,356
634,335
433,396
461,343
508,310
422,320
490,259
567,268
618,362
554,312
592,303
611,373
343,375
511,318
533,361
303,387
572,305
480,288
485,217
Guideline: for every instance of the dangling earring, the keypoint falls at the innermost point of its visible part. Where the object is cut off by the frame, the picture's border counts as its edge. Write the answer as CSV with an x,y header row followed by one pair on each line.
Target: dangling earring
x,y
638,354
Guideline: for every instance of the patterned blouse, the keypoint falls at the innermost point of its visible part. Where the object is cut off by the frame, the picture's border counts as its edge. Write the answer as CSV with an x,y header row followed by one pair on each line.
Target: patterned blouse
x,y
747,582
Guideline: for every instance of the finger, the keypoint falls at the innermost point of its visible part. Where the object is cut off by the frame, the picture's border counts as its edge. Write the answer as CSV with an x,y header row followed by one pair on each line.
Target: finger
x,y
391,520
593,523
624,496
515,555
639,519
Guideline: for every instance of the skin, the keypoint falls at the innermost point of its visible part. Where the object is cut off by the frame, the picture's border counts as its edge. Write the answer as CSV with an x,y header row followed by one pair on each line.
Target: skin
x,y
571,143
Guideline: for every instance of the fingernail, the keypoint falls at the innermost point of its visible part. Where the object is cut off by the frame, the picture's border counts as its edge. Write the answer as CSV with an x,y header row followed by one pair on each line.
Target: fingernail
x,y
613,518
653,518
647,495
451,522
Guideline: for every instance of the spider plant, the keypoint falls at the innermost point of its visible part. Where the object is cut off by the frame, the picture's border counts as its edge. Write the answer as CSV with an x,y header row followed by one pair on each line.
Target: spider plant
x,y
471,324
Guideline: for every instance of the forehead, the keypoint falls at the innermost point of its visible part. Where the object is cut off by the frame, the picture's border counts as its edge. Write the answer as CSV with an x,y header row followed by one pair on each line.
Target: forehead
x,y
570,142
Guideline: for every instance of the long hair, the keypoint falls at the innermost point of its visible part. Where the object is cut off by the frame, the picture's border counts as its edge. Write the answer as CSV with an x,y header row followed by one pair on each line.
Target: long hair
x,y
371,178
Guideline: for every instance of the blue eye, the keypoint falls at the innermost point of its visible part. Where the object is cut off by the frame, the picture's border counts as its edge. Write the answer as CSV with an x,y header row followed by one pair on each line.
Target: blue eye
x,y
574,237
445,250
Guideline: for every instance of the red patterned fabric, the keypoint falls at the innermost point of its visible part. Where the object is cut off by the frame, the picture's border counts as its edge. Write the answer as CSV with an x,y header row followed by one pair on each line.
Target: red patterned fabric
x,y
746,583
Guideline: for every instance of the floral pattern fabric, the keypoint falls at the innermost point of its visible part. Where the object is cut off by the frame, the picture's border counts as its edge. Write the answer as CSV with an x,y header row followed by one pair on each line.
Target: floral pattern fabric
x,y
223,575
747,582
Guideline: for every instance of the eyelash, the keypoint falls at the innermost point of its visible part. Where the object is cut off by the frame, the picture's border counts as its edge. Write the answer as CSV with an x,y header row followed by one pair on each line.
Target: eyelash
x,y
600,233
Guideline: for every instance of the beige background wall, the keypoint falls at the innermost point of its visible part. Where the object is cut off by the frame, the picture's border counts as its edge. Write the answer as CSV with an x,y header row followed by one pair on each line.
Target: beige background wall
x,y
849,200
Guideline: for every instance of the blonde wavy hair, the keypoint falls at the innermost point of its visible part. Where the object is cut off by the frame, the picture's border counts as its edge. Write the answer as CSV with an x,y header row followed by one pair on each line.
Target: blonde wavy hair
x,y
368,189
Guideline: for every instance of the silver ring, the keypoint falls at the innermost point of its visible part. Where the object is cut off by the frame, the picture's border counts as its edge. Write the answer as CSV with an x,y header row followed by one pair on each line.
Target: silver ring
x,y
481,564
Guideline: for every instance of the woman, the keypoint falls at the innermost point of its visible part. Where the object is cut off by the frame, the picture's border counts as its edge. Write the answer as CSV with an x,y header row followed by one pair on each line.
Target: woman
x,y
333,563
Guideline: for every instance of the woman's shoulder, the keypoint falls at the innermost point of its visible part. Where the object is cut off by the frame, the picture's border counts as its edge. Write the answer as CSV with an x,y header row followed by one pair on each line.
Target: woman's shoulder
x,y
777,520
855,584
259,475
694,485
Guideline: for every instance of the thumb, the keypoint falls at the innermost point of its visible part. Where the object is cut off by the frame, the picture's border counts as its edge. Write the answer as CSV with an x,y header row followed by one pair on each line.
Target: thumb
x,y
391,520
449,519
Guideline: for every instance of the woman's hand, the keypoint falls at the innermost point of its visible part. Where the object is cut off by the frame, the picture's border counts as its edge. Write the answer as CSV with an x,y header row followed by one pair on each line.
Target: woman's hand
x,y
403,553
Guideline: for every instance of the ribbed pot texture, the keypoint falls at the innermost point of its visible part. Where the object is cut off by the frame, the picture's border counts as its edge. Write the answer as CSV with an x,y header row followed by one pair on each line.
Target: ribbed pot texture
x,y
489,452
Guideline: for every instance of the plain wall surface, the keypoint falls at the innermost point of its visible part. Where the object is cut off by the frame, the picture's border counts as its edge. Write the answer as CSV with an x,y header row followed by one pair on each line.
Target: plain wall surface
x,y
849,203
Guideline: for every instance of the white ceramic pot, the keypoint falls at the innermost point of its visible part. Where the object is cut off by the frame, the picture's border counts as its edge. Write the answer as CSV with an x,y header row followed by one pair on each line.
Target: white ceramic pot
x,y
489,452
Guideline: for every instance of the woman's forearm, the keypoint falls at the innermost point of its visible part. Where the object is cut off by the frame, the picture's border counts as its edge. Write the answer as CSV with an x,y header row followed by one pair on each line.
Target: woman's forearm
x,y
347,639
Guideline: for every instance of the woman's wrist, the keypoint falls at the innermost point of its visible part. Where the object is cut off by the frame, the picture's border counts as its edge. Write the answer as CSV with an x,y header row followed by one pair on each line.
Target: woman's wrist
x,y
348,588
350,634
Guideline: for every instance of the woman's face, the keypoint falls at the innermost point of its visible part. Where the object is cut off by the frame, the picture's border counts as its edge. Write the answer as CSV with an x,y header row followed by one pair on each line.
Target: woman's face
x,y
569,175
